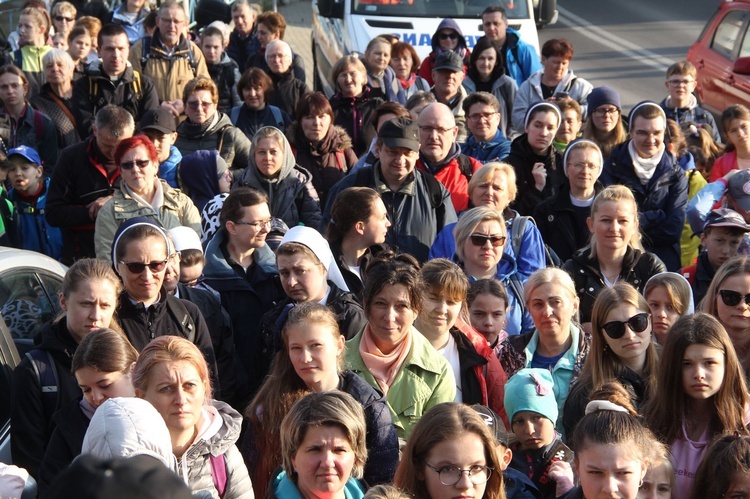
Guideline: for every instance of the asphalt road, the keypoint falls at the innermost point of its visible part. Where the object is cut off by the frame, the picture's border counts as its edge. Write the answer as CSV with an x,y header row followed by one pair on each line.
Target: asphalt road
x,y
628,44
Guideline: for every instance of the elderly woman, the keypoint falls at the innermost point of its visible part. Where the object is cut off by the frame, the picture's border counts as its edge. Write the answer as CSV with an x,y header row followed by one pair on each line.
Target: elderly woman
x,y
322,148
562,218
288,89
554,81
54,99
389,353
172,374
494,186
352,103
323,431
557,343
141,194
255,87
272,169
480,238
207,128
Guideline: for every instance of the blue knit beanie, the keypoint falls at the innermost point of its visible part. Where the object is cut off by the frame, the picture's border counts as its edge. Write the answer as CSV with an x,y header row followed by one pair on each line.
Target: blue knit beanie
x,y
601,96
531,390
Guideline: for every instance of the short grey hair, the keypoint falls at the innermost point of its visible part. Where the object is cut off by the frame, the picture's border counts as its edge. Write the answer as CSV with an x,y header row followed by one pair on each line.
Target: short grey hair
x,y
469,222
272,45
116,120
59,55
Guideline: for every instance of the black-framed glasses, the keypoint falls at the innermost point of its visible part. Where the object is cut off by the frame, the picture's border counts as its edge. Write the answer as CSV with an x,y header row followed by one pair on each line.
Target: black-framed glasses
x,y
450,475
257,225
196,104
128,165
616,329
733,298
452,35
480,240
602,112
138,267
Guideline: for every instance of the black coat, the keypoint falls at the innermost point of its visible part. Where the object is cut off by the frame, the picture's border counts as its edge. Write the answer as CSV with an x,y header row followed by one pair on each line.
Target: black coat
x,y
65,444
637,268
469,358
31,427
287,91
226,74
241,48
522,157
354,115
78,179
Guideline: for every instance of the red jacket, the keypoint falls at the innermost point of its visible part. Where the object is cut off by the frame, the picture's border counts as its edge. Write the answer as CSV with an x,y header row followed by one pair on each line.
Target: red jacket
x,y
455,181
723,165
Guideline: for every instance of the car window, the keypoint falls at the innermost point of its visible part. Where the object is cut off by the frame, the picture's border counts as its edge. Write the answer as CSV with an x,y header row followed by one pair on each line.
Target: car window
x,y
745,47
728,34
8,361
25,303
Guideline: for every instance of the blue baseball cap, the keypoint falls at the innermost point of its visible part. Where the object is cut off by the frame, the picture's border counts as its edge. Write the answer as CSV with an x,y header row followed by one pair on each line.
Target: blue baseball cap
x,y
27,153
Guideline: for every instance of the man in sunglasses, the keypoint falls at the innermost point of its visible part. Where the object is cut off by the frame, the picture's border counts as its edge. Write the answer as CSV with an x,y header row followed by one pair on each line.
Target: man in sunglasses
x,y
721,237
112,80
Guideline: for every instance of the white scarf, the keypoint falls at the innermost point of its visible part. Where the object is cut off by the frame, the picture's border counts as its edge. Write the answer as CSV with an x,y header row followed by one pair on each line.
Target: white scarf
x,y
158,201
645,167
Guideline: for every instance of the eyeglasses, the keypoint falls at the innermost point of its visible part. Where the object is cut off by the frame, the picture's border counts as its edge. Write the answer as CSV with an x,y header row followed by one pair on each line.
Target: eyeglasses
x,y
257,225
452,36
482,116
171,21
138,267
64,19
429,129
195,104
616,329
733,298
582,166
450,475
128,165
480,240
227,175
612,111
677,82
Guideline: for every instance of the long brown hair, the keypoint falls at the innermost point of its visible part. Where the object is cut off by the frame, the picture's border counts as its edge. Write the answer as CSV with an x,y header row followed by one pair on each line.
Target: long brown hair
x,y
667,410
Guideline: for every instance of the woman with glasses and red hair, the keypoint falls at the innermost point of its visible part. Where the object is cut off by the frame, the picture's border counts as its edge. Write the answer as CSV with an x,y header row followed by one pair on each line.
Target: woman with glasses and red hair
x,y
142,194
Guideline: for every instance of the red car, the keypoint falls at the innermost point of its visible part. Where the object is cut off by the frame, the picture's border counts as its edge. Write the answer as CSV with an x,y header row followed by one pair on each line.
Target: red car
x,y
722,56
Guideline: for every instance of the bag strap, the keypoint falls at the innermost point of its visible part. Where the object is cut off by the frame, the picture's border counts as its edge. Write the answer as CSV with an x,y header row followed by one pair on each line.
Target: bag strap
x,y
63,108
45,372
182,316
234,114
277,118
341,160
219,473
464,163
517,230
38,126
145,51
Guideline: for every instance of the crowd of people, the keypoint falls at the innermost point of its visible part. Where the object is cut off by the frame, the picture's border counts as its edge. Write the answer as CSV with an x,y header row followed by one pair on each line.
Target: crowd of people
x,y
471,275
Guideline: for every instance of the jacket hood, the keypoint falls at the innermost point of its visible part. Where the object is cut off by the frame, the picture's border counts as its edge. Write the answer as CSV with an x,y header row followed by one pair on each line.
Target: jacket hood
x,y
220,431
252,175
449,23
127,427
55,337
667,104
512,37
690,305
199,175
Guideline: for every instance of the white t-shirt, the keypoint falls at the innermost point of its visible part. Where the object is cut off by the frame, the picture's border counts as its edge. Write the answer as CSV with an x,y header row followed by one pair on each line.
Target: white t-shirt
x,y
450,352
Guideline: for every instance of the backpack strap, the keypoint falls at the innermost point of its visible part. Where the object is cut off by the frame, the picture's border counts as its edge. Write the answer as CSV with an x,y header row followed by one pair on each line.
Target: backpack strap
x,y
277,118
234,114
191,59
464,163
18,59
219,473
183,318
341,160
517,230
38,127
45,372
137,86
145,51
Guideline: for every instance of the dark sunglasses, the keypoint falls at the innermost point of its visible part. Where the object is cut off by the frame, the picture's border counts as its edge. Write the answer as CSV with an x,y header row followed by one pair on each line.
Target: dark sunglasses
x,y
733,298
445,36
128,165
616,329
480,240
63,18
138,267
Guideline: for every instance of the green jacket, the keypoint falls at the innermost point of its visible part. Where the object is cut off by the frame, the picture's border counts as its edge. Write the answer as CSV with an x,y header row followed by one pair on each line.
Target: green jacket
x,y
425,380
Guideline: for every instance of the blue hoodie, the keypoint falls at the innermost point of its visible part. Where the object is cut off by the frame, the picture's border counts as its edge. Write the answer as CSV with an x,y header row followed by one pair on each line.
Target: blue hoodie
x,y
496,149
168,169
521,60
199,175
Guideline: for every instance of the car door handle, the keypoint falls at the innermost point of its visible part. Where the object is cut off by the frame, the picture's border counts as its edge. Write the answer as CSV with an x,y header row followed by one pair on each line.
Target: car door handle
x,y
729,80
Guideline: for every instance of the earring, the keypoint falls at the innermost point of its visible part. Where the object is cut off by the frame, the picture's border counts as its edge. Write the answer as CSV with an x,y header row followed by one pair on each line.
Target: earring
x,y
640,484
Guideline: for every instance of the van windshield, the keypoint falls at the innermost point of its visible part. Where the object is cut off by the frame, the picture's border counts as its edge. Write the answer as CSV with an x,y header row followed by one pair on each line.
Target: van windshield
x,y
438,8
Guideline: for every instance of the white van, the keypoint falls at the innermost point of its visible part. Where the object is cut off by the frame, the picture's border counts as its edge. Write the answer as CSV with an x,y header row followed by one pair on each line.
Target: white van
x,y
341,27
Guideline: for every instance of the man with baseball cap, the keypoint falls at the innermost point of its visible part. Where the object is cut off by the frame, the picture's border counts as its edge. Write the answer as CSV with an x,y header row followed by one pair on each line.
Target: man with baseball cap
x,y
448,74
418,206
160,126
721,236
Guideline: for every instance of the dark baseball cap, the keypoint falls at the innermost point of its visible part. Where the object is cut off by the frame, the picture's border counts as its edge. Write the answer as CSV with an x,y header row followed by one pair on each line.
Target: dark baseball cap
x,y
449,60
160,120
400,132
724,217
491,419
738,189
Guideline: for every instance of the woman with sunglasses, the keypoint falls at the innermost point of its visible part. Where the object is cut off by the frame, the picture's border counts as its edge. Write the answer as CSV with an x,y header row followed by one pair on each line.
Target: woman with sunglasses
x,y
142,194
480,240
140,253
448,37
728,299
615,252
621,349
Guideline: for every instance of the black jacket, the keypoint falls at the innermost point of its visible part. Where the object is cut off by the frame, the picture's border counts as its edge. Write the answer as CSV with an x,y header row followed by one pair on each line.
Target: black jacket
x,y
382,441
258,60
704,274
637,268
353,282
226,74
222,339
65,444
287,91
522,157
78,179
134,92
250,121
31,427
142,325
555,218
240,48
353,114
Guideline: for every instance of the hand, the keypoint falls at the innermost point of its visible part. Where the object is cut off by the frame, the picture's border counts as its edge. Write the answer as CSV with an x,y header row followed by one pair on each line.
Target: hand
x,y
540,176
562,473
730,174
95,206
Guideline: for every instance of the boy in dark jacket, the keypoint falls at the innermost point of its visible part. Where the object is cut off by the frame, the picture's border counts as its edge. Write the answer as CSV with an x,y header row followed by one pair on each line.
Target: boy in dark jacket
x,y
224,71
